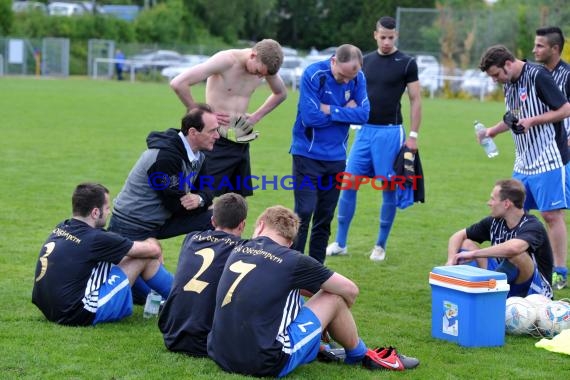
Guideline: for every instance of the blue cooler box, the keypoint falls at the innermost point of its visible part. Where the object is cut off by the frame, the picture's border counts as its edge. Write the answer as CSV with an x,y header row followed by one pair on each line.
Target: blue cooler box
x,y
468,305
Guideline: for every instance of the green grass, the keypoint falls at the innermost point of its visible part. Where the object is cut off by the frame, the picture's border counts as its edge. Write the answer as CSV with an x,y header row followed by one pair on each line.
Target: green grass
x,y
57,133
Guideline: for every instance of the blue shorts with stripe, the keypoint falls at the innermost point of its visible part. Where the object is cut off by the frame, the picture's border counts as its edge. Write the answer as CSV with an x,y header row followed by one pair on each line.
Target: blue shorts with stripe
x,y
536,284
375,149
305,337
115,298
546,191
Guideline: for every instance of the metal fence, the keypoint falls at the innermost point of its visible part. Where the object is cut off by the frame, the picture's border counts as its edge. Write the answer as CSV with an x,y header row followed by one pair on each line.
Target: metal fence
x,y
46,56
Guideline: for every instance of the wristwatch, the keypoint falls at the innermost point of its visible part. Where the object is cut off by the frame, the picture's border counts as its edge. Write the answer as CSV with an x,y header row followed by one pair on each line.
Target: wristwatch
x,y
202,203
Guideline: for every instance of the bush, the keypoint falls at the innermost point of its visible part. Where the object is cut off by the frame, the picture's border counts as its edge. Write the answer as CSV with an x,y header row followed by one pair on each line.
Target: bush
x,y
6,17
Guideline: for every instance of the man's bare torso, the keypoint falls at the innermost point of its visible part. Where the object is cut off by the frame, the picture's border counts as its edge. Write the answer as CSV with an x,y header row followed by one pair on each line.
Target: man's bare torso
x,y
230,91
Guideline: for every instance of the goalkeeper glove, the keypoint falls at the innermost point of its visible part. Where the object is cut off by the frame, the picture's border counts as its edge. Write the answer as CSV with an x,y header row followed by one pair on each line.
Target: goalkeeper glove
x,y
239,130
409,170
513,122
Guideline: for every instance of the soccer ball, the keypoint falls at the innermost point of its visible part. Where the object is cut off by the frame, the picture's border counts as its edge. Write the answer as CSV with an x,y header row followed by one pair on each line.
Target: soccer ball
x,y
520,316
553,317
537,300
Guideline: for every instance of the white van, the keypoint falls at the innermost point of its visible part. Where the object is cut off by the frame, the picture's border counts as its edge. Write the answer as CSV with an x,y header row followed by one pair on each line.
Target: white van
x,y
65,9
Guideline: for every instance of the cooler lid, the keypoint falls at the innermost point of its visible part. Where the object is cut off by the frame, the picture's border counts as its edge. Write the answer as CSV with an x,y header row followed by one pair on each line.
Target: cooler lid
x,y
469,279
468,273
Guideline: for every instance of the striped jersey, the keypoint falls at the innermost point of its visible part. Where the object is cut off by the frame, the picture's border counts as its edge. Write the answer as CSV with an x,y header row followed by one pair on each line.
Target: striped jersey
x,y
529,229
258,297
543,147
72,265
561,75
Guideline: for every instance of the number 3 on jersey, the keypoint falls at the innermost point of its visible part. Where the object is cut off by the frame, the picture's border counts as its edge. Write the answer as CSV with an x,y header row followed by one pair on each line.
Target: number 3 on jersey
x,y
44,259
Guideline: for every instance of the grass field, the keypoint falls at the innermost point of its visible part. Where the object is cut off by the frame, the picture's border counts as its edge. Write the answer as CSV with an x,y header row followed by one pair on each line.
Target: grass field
x,y
57,133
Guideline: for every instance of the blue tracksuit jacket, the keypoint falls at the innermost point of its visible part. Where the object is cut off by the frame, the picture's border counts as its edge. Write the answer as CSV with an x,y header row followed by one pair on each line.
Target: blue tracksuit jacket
x,y
317,135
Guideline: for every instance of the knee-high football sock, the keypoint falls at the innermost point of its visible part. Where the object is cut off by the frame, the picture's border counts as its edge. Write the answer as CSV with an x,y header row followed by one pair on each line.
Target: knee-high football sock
x,y
346,206
356,354
161,281
387,216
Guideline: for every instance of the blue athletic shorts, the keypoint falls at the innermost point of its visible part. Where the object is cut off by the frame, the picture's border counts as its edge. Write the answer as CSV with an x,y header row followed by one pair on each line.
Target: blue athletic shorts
x,y
375,149
305,337
546,191
536,284
115,297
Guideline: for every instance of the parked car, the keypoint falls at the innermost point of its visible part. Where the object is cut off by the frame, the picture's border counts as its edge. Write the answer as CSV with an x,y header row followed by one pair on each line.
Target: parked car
x,y
328,51
289,51
288,69
123,12
424,61
430,77
189,61
306,62
154,60
477,83
92,7
65,9
435,78
29,6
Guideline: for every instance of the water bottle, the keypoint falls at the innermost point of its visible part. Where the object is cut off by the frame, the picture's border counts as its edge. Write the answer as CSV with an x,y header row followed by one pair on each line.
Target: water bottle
x,y
486,142
152,304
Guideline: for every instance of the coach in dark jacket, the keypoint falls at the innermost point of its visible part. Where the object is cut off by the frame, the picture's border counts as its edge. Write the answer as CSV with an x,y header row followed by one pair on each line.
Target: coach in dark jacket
x,y
163,195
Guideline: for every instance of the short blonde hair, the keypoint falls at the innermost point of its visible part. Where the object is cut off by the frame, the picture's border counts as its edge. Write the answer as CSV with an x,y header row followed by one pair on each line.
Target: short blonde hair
x,y
269,53
281,219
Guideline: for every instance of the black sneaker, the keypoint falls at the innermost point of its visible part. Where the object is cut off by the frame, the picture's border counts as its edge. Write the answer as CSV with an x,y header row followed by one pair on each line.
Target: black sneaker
x,y
387,358
331,355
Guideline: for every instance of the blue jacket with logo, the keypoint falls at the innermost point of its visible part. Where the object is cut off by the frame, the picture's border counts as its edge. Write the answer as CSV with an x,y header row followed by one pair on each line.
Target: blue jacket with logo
x,y
317,135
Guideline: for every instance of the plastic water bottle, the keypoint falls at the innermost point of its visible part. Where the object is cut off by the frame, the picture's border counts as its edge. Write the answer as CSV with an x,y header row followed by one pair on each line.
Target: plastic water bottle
x,y
486,142
152,304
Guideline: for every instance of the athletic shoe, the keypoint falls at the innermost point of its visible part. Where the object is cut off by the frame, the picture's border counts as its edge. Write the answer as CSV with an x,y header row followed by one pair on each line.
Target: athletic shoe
x,y
331,355
336,250
559,281
387,358
378,253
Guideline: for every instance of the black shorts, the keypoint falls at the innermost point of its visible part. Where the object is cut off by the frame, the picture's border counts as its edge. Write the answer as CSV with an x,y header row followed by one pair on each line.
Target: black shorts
x,y
229,164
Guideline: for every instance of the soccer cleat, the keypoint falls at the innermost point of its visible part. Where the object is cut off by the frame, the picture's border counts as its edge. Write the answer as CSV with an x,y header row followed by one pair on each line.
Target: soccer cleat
x,y
387,358
378,253
559,281
336,250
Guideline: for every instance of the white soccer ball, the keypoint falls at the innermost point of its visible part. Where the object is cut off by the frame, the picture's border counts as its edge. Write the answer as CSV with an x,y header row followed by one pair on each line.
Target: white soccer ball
x,y
520,316
537,300
553,317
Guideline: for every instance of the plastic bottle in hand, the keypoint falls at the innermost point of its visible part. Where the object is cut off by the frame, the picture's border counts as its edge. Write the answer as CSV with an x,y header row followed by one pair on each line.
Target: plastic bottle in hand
x,y
486,142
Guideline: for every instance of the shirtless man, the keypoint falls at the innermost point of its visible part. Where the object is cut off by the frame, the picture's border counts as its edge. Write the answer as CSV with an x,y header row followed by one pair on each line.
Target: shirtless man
x,y
231,78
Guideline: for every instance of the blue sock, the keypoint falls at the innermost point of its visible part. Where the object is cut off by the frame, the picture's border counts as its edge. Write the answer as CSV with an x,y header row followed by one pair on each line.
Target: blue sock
x,y
140,289
356,354
561,270
346,207
161,281
387,216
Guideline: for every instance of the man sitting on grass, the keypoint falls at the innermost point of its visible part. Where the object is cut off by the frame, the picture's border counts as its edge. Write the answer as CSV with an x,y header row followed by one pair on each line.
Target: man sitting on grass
x,y
84,274
518,240
261,326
